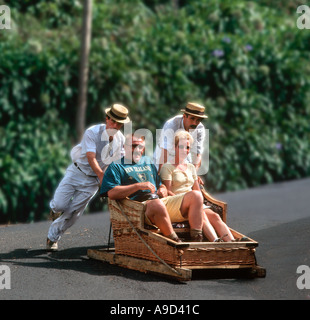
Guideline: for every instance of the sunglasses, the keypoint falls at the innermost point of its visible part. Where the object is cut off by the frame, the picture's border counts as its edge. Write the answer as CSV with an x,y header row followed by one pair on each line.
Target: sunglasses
x,y
138,146
184,147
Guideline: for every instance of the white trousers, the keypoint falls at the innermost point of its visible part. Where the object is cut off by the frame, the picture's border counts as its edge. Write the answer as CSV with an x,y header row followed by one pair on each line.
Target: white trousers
x,y
71,197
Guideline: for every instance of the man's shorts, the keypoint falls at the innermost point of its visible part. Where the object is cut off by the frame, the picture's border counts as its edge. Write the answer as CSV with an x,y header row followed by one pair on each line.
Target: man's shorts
x,y
173,205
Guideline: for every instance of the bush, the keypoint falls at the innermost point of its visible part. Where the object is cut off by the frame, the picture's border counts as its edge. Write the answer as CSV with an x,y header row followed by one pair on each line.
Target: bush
x,y
33,159
37,91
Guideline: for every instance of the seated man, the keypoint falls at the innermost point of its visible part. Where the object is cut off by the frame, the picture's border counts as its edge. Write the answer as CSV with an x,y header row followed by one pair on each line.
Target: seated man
x,y
134,175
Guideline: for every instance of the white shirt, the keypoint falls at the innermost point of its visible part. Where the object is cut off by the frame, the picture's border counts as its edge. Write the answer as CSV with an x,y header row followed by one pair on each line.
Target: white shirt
x,y
166,139
96,139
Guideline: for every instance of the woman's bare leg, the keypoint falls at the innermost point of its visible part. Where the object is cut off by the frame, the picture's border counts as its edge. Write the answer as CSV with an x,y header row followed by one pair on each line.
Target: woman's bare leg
x,y
219,225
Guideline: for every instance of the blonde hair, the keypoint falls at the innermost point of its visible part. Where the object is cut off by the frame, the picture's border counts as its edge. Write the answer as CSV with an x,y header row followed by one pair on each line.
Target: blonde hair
x,y
182,134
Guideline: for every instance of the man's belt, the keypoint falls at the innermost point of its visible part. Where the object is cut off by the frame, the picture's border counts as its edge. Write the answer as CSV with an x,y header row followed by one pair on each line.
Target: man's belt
x,y
83,171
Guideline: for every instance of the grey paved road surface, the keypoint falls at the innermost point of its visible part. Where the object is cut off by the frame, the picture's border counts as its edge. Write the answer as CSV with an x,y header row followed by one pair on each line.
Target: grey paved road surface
x,y
276,215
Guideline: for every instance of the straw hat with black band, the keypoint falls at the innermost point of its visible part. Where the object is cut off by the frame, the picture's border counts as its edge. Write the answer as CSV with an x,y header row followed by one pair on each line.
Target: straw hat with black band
x,y
118,113
195,109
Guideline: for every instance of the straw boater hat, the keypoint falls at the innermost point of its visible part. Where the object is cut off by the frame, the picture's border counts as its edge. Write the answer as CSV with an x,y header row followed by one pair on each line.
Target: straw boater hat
x,y
195,109
118,113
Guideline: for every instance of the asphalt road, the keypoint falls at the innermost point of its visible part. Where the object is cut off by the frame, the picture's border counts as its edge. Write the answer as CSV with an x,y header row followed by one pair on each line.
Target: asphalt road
x,y
276,215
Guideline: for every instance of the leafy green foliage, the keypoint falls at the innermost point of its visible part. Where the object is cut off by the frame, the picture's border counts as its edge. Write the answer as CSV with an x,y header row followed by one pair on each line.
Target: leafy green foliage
x,y
246,61
32,161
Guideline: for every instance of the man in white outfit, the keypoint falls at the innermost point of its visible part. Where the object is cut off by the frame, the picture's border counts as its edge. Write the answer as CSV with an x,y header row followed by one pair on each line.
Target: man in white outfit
x,y
100,145
190,121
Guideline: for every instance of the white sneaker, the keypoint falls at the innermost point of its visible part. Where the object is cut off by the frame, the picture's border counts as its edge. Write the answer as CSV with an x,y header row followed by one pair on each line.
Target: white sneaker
x,y
51,246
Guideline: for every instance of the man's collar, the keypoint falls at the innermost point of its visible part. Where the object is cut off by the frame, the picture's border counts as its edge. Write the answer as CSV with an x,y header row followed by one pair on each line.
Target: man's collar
x,y
182,123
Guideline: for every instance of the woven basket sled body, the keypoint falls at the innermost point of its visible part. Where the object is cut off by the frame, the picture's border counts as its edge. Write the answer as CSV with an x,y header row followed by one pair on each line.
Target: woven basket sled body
x,y
139,248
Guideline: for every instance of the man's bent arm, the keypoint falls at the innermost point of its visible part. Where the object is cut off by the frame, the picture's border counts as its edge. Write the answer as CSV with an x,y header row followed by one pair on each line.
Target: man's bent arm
x,y
197,161
121,192
91,157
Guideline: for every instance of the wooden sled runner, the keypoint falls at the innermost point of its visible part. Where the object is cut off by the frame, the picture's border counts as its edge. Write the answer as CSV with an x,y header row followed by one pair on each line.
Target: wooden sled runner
x,y
139,248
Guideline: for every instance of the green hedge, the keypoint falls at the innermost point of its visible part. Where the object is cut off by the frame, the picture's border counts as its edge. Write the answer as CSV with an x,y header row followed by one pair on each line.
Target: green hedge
x,y
246,61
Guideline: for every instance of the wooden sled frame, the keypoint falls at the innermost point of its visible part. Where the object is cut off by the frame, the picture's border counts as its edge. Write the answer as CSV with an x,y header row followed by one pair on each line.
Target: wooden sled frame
x,y
139,248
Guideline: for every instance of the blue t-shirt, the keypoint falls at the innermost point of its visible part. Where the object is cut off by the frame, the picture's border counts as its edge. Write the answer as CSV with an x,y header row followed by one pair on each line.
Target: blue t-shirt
x,y
121,173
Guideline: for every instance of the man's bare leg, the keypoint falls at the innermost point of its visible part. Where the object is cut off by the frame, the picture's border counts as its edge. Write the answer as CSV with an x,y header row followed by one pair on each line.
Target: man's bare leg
x,y
157,213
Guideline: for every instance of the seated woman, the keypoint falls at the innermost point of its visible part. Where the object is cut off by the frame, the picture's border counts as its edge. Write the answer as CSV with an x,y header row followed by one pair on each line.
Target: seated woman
x,y
181,177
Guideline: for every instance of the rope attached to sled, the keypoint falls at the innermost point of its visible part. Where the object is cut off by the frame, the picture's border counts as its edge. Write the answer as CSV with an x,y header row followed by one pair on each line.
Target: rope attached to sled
x,y
144,242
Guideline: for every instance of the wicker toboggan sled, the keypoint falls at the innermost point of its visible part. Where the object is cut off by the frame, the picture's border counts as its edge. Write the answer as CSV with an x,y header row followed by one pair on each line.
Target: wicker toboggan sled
x,y
142,249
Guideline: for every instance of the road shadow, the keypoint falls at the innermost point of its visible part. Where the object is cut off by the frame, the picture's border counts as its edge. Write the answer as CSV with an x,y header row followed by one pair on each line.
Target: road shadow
x,y
74,259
